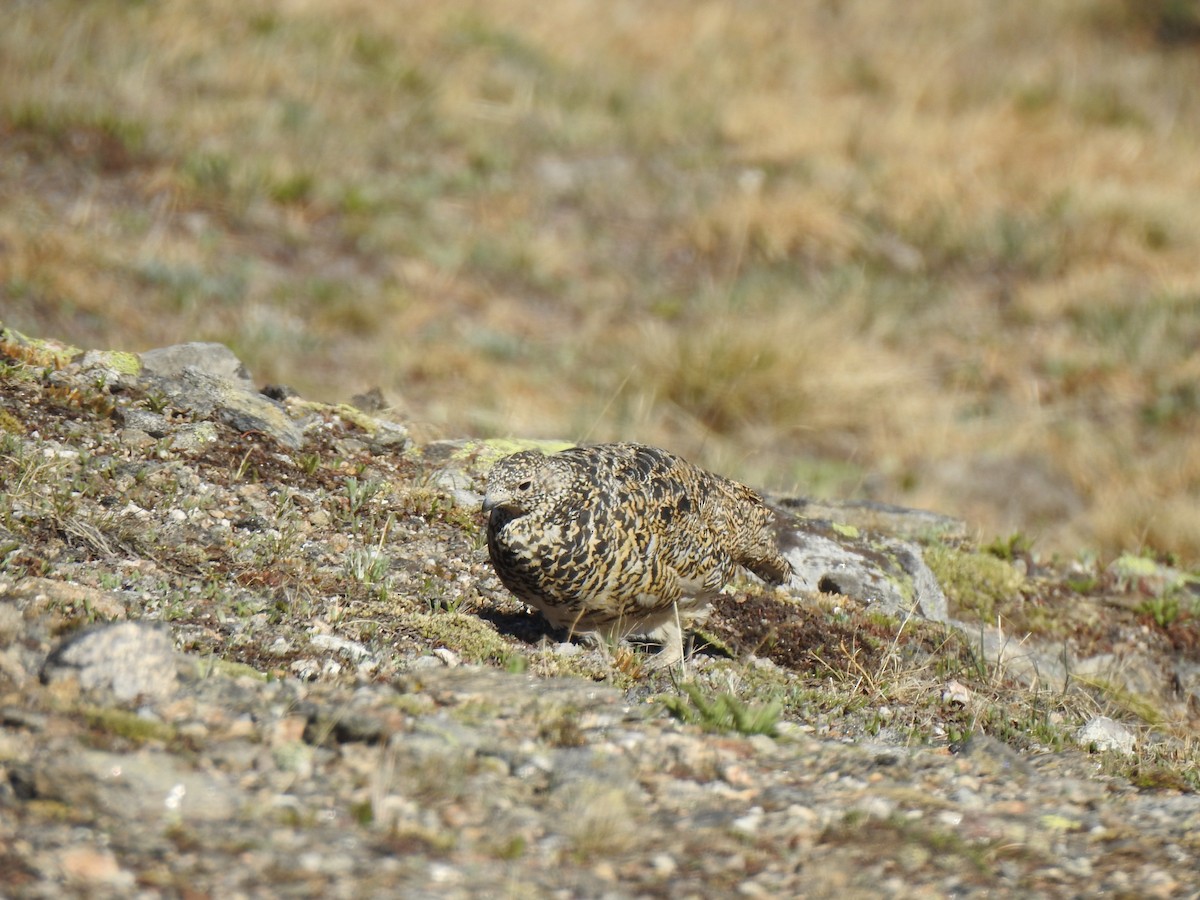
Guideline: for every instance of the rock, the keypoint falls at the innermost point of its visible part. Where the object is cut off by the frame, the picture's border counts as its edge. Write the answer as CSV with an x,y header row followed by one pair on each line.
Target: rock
x,y
878,571
370,401
993,757
88,866
870,515
448,657
1103,733
129,660
45,593
146,784
352,650
189,438
11,624
154,424
1025,661
956,694
210,396
113,368
210,358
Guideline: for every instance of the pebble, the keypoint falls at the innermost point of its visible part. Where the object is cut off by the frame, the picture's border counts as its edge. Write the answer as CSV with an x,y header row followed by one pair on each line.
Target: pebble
x,y
1103,733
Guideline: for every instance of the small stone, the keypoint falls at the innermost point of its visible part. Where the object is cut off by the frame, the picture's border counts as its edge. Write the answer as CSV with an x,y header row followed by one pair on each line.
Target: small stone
x,y
305,669
426,662
440,873
748,824
664,865
135,438
1103,733
152,423
193,437
87,865
352,650
287,730
876,807
12,623
993,757
449,658
956,694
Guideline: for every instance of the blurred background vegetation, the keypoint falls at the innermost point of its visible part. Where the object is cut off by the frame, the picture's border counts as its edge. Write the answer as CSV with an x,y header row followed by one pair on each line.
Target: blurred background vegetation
x,y
943,253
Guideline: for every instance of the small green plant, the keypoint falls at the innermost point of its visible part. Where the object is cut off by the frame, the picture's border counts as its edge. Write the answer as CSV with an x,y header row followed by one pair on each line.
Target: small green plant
x,y
156,402
724,712
439,597
245,467
363,813
309,463
1015,546
1083,584
1164,609
359,494
509,848
367,565
294,189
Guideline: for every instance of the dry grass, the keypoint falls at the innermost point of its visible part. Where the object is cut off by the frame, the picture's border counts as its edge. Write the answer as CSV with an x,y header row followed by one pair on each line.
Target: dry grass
x,y
946,257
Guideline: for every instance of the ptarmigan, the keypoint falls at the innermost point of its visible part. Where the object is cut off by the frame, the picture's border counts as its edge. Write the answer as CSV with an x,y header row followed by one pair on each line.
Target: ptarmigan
x,y
617,539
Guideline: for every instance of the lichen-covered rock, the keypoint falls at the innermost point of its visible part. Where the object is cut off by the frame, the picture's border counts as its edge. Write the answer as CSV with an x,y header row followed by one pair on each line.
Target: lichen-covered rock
x,y
128,660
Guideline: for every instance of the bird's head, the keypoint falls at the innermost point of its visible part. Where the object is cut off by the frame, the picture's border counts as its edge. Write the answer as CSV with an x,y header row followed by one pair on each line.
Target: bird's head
x,y
522,482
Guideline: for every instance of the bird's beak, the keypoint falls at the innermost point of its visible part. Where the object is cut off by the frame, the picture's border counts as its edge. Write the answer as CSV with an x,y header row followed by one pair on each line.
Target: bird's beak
x,y
493,500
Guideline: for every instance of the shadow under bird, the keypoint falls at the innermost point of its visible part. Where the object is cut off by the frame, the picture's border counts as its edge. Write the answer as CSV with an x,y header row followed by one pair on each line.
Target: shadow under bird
x,y
612,540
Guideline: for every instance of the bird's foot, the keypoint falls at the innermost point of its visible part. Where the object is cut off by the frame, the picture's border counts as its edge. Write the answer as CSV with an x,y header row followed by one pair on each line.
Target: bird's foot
x,y
670,635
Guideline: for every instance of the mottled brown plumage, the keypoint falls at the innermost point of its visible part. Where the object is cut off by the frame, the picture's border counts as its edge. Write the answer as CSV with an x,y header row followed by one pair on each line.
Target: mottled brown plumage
x,y
619,539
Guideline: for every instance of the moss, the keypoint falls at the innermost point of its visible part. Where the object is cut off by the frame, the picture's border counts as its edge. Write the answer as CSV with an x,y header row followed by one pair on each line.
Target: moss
x,y
209,666
414,704
128,725
10,424
468,636
974,583
121,361
348,413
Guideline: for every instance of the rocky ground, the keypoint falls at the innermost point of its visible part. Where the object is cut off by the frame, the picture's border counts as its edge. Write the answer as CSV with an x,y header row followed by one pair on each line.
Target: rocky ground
x,y
252,646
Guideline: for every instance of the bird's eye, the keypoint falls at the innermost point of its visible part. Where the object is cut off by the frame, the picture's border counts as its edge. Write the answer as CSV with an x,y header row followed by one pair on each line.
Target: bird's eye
x,y
524,485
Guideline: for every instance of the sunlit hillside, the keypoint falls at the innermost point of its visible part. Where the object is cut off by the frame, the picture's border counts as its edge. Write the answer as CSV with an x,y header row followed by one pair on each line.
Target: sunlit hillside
x,y
943,253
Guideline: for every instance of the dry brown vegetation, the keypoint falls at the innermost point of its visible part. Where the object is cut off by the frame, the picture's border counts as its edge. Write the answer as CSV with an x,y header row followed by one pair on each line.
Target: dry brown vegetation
x,y
947,255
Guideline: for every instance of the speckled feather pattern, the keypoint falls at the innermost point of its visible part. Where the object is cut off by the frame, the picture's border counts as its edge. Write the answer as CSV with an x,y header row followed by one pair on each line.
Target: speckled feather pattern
x,y
609,538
